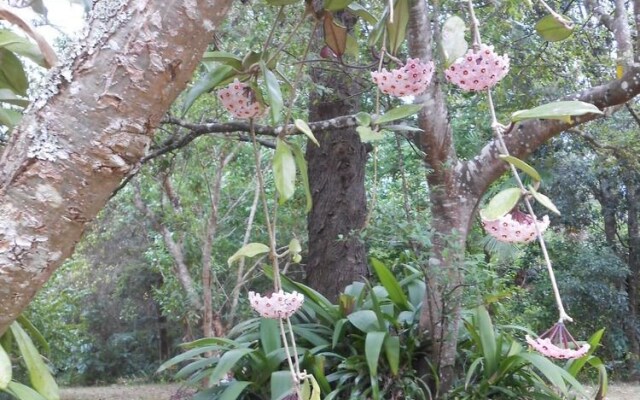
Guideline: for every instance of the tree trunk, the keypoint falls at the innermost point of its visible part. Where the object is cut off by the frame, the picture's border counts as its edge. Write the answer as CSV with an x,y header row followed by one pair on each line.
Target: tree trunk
x,y
88,128
337,255
633,281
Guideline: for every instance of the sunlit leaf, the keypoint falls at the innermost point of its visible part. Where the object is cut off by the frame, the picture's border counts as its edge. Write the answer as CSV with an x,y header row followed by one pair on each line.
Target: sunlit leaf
x,y
544,200
301,163
294,246
284,170
22,392
274,95
561,110
368,135
397,30
363,13
205,84
39,374
453,41
523,166
399,112
363,118
304,128
5,369
248,250
335,35
336,5
501,204
552,29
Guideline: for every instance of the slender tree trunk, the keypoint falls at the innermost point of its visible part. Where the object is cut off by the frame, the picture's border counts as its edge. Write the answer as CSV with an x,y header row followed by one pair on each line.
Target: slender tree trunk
x,y
337,255
88,128
633,281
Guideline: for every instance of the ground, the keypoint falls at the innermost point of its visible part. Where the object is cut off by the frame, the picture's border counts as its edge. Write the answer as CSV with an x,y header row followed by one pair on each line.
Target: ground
x,y
172,392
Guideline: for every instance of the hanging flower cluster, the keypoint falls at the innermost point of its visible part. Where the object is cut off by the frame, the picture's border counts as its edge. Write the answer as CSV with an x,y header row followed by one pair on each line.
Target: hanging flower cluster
x,y
515,227
240,100
557,343
279,305
411,79
479,69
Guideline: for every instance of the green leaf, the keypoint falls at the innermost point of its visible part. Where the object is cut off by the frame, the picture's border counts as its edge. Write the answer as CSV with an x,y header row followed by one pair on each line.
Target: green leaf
x,y
501,204
399,112
282,2
365,320
10,118
368,135
9,97
315,388
223,57
269,335
453,41
281,385
363,13
392,351
523,166
372,350
294,246
205,84
304,128
561,110
234,390
553,30
227,361
391,284
21,46
34,333
5,369
284,170
301,163
402,128
338,332
248,250
397,30
336,5
12,75
363,118
274,95
487,340
39,374
544,200
22,392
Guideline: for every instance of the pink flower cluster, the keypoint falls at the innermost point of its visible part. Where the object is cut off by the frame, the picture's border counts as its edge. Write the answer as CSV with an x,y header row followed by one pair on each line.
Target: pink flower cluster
x,y
478,69
411,79
279,305
556,343
515,227
240,100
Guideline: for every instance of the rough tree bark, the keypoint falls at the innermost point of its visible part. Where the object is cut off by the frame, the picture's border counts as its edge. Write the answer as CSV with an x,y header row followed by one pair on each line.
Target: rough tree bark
x,y
88,128
337,255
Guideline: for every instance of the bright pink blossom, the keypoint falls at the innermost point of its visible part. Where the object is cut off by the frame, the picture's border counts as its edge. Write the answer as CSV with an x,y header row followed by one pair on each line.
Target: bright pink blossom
x,y
558,343
478,70
411,79
515,227
277,306
240,100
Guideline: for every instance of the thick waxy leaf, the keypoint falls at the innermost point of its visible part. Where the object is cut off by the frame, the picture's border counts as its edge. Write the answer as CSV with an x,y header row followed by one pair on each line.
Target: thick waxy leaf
x,y
234,390
336,5
544,200
249,250
294,246
399,112
523,166
335,35
301,163
391,284
304,128
368,135
553,30
397,30
274,95
223,57
453,41
392,351
269,335
363,13
562,110
487,340
42,54
363,118
205,84
281,385
373,348
501,204
284,170
9,118
365,320
227,361
39,374
7,96
22,392
5,369
12,75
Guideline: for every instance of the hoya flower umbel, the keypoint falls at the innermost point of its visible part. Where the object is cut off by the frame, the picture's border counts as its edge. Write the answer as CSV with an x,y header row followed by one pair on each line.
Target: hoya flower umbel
x,y
479,69
515,227
558,343
411,79
279,305
240,100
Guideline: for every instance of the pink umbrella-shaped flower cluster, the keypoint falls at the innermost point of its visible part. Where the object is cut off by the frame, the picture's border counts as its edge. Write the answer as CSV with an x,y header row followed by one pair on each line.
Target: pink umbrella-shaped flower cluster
x,y
479,69
240,100
515,227
558,343
410,79
279,305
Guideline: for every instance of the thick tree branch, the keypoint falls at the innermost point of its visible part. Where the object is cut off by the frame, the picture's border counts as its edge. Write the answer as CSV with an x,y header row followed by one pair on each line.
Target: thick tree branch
x,y
477,174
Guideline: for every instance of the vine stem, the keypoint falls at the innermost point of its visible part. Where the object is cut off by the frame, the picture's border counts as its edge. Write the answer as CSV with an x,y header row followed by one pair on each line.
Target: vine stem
x,y
497,129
